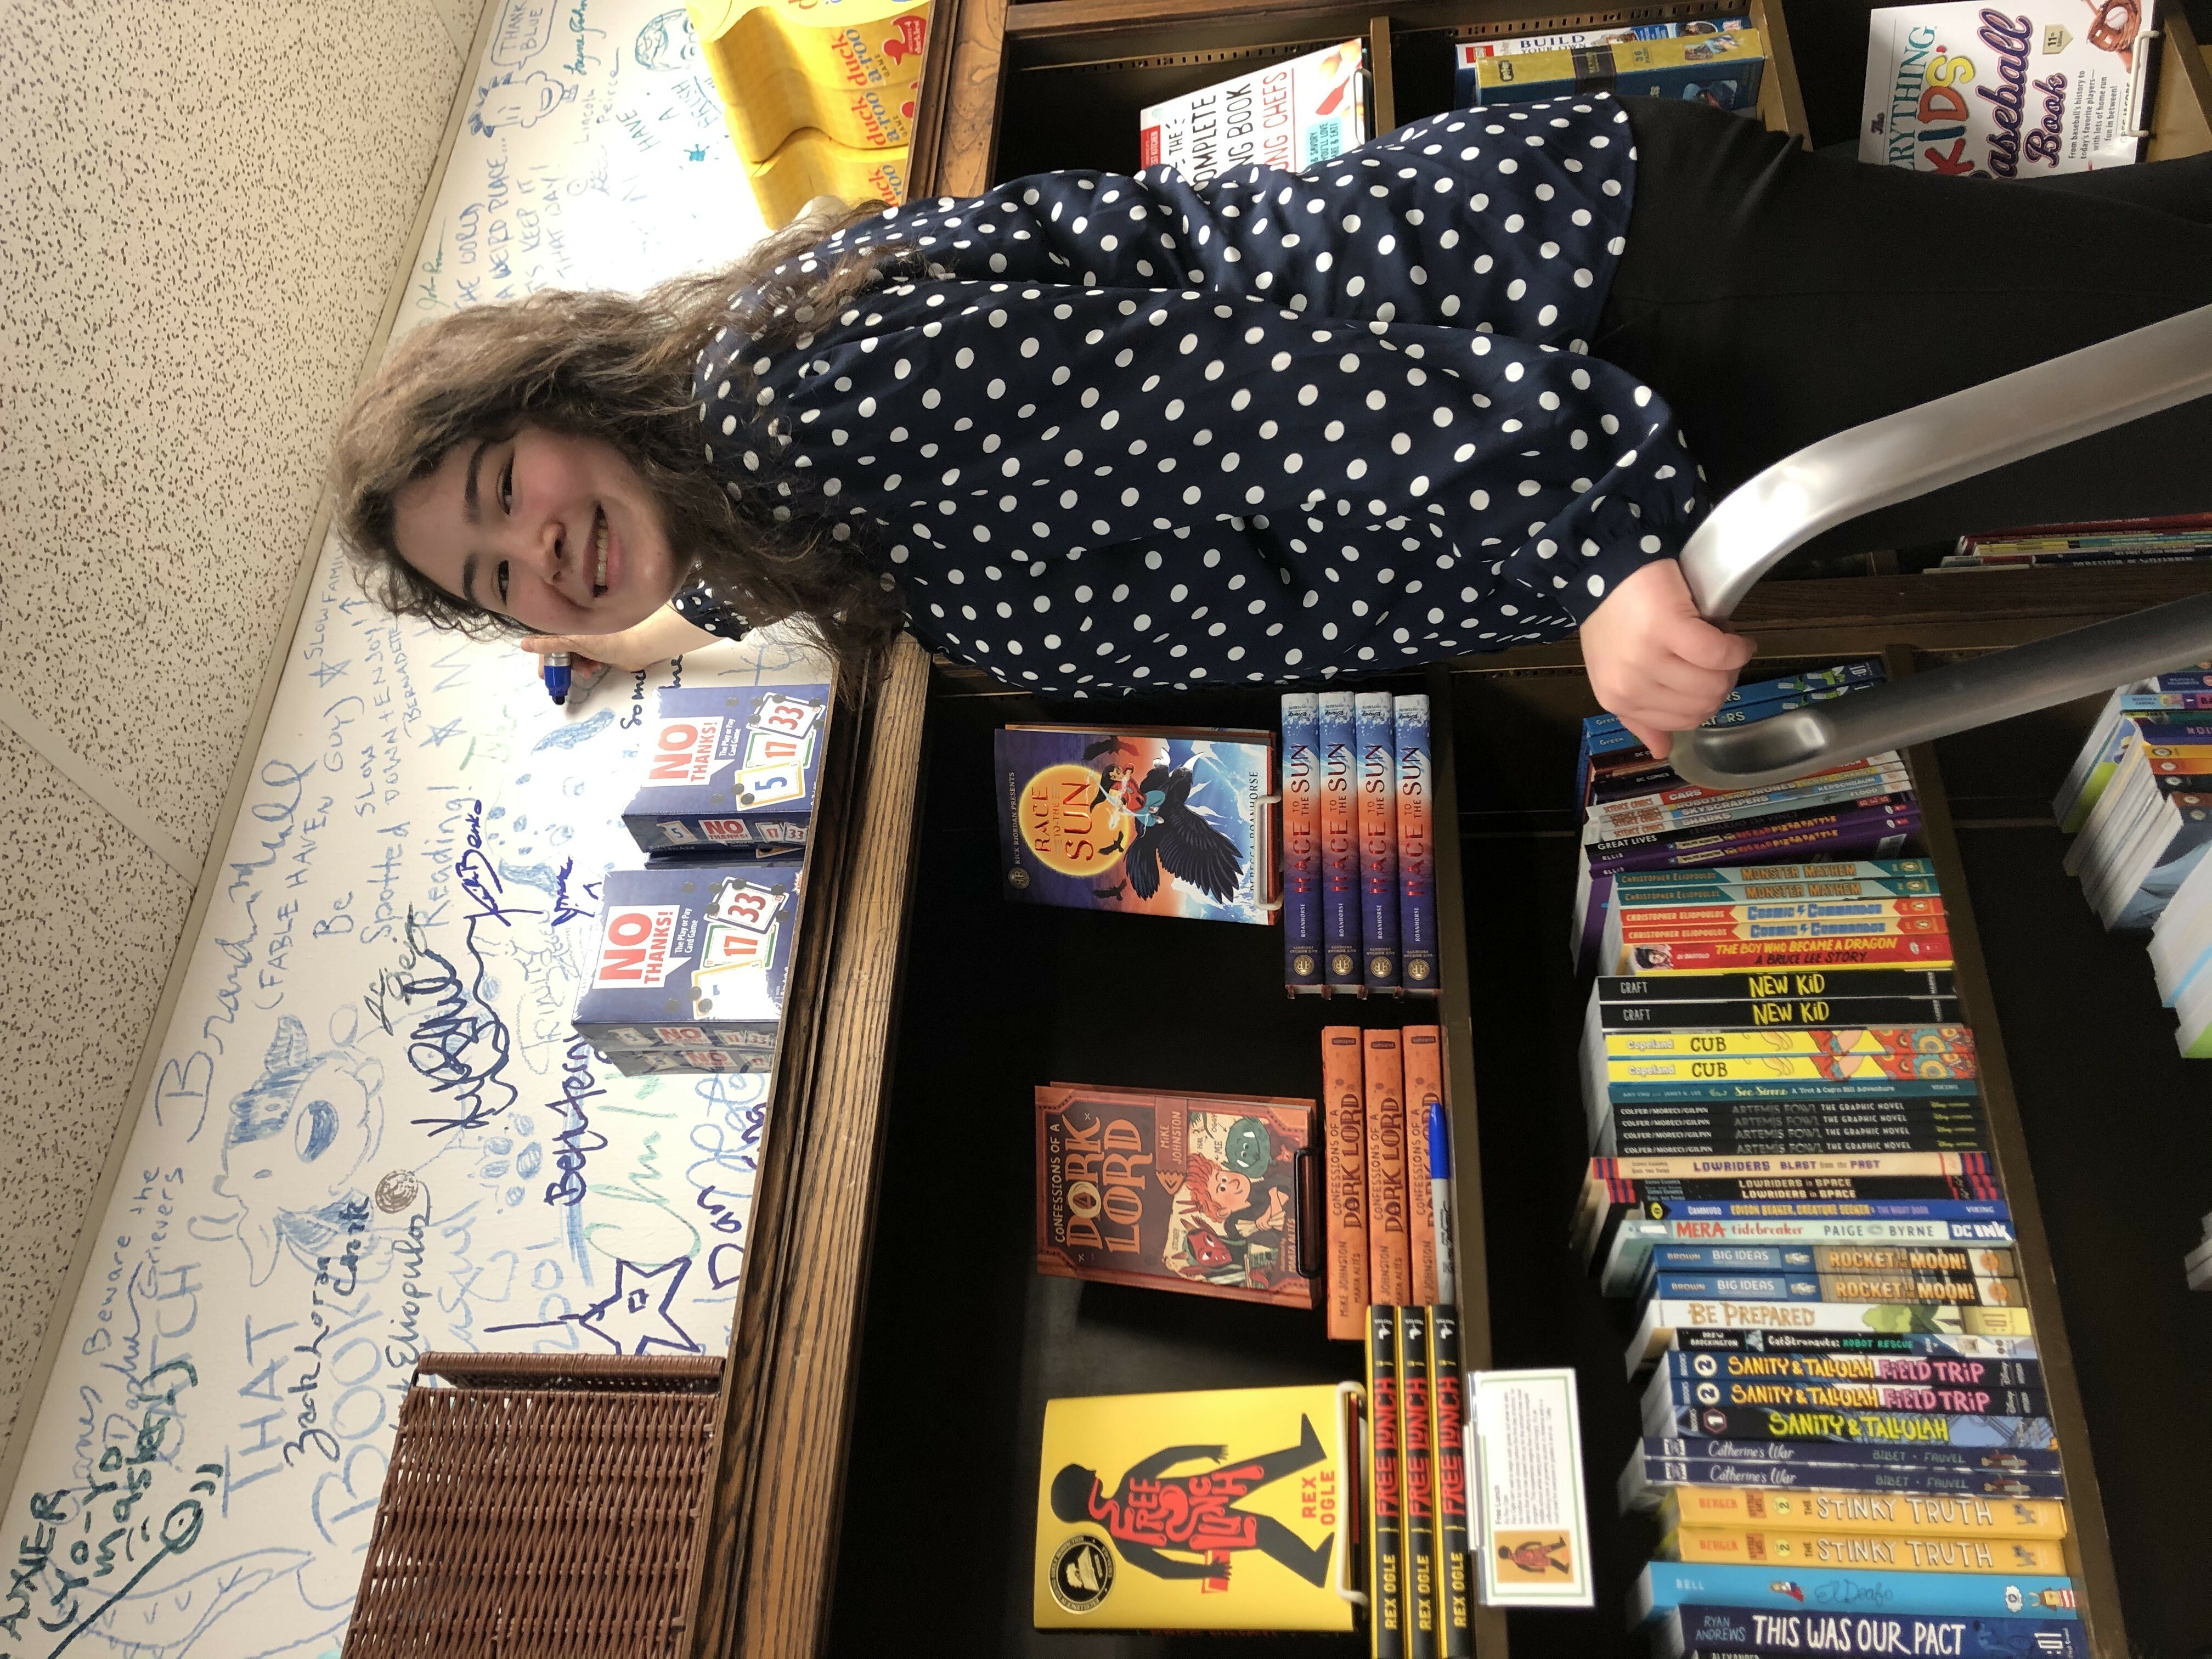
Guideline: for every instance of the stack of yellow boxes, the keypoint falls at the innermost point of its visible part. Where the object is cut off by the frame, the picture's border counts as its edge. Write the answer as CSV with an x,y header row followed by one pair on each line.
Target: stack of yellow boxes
x,y
819,94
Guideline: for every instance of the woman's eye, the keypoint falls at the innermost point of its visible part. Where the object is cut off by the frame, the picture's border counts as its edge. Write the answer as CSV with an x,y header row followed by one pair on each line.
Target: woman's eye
x,y
501,579
507,486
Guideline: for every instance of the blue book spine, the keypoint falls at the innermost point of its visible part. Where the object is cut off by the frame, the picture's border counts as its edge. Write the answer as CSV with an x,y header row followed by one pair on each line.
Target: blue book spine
x,y
1340,843
1735,1286
1300,780
1649,1473
1693,1628
1666,1584
1849,1209
1885,1369
1378,841
1850,675
1834,1453
1726,1258
1417,850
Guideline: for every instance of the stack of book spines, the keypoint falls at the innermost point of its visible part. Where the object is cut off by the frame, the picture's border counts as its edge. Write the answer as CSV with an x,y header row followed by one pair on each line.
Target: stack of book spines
x,y
1791,1173
1388,1288
2173,540
1359,912
1720,61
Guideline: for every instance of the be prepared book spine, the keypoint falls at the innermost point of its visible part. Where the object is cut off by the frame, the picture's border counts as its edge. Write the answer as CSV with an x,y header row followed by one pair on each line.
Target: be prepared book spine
x,y
1302,896
1378,841
1417,874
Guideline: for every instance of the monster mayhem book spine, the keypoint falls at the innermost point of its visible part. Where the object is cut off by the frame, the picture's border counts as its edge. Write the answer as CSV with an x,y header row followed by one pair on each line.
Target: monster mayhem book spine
x,y
1340,843
1302,927
1455,1542
1417,1460
1386,1564
1378,841
1390,1231
1424,1087
1344,1113
1417,870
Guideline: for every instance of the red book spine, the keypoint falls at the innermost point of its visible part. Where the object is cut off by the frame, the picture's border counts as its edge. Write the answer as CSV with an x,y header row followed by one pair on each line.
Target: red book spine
x,y
1390,1234
1344,1128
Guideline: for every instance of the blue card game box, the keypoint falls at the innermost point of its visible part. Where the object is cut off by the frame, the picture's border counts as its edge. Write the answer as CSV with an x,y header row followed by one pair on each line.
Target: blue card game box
x,y
690,970
730,769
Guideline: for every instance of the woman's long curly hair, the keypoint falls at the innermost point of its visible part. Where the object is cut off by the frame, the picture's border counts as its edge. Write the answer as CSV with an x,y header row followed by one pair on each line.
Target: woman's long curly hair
x,y
619,367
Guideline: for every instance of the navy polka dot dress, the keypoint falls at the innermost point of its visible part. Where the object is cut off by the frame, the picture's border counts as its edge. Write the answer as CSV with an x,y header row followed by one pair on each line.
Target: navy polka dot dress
x,y
1128,435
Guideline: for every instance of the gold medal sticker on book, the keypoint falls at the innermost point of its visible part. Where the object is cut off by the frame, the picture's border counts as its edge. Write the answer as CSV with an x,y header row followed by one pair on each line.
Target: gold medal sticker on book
x,y
1227,1508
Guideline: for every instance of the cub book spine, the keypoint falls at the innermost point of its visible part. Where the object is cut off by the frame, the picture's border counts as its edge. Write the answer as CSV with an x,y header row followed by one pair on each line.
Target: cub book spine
x,y
1423,1048
1385,1517
1417,1460
1378,841
1649,1476
1964,1595
1852,1427
1344,1111
1945,1515
1455,1541
1389,1229
1884,1553
1743,1632
1301,895
1824,1454
1339,842
1417,875
1792,1040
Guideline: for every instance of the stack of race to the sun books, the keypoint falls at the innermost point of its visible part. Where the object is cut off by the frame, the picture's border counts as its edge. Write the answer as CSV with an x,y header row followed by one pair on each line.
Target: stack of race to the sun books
x,y
1791,1176
1359,905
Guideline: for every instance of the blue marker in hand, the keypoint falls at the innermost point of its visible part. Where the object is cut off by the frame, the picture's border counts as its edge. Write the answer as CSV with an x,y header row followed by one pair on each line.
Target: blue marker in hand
x,y
556,676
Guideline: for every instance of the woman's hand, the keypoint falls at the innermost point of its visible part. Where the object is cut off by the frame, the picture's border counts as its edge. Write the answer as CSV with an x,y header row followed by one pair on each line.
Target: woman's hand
x,y
1654,661
659,637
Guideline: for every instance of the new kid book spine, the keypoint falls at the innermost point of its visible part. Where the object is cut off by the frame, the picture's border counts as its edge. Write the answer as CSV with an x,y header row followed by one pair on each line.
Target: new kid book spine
x,y
1417,1459
1386,1564
1455,1544
1340,844
1378,841
1344,1121
1417,884
1302,896
1390,1231
1424,1049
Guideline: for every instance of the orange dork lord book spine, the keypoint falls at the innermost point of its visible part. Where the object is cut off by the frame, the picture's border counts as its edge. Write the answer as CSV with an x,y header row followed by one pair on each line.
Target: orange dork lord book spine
x,y
1344,1129
1424,1082
1389,1238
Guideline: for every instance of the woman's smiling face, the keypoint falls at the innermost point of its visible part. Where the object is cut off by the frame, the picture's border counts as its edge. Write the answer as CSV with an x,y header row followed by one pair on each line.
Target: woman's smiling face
x,y
561,533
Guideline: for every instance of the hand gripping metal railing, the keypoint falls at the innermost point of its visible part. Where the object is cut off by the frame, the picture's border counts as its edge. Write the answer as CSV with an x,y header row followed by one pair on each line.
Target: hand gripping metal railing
x,y
1910,453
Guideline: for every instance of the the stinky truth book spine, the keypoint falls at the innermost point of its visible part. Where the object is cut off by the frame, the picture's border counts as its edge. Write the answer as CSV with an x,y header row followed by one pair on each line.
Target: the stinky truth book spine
x,y
1389,1231
1302,931
1344,1120
1386,1558
1424,1048
1340,842
1378,841
1455,1543
1164,821
1417,1462
1223,1509
1417,852
1197,1193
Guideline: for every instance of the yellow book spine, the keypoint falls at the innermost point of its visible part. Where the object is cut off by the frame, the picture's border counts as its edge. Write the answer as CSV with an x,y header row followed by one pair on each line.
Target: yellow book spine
x,y
1890,1040
1863,1552
1897,1514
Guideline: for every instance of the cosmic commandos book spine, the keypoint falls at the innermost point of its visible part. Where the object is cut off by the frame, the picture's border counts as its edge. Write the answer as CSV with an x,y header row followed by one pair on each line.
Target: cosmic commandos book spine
x,y
1196,1193
1226,1510
1167,821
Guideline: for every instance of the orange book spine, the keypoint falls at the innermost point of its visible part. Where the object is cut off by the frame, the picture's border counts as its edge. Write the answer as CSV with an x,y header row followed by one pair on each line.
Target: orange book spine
x,y
1344,1130
1390,1238
1424,1082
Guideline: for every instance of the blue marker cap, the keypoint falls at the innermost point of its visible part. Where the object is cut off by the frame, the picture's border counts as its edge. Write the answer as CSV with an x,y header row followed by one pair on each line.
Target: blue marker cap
x,y
557,676
1439,1142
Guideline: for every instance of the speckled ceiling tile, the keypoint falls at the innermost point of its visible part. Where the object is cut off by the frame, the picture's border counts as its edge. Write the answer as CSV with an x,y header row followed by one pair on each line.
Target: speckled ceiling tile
x,y
89,919
204,208
460,18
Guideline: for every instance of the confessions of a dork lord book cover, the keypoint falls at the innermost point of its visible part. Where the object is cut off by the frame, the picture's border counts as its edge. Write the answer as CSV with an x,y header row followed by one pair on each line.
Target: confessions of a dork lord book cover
x,y
1201,1193
1165,821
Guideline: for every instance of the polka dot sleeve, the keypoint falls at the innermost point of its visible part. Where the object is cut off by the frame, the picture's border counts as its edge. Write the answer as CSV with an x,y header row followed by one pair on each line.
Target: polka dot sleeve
x,y
1026,423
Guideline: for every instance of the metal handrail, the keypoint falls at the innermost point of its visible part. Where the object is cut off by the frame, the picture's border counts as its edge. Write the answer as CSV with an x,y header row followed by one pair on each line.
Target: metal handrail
x,y
1907,454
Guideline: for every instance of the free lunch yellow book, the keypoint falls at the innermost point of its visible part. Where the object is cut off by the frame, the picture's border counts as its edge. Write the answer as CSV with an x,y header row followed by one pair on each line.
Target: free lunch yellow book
x,y
1228,1509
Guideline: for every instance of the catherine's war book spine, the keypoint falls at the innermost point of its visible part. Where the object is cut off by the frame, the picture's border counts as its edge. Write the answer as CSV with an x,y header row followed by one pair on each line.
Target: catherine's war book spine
x,y
1455,1541
1340,843
1418,1461
1416,874
1302,896
1651,1474
1385,1517
1344,1117
1378,841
